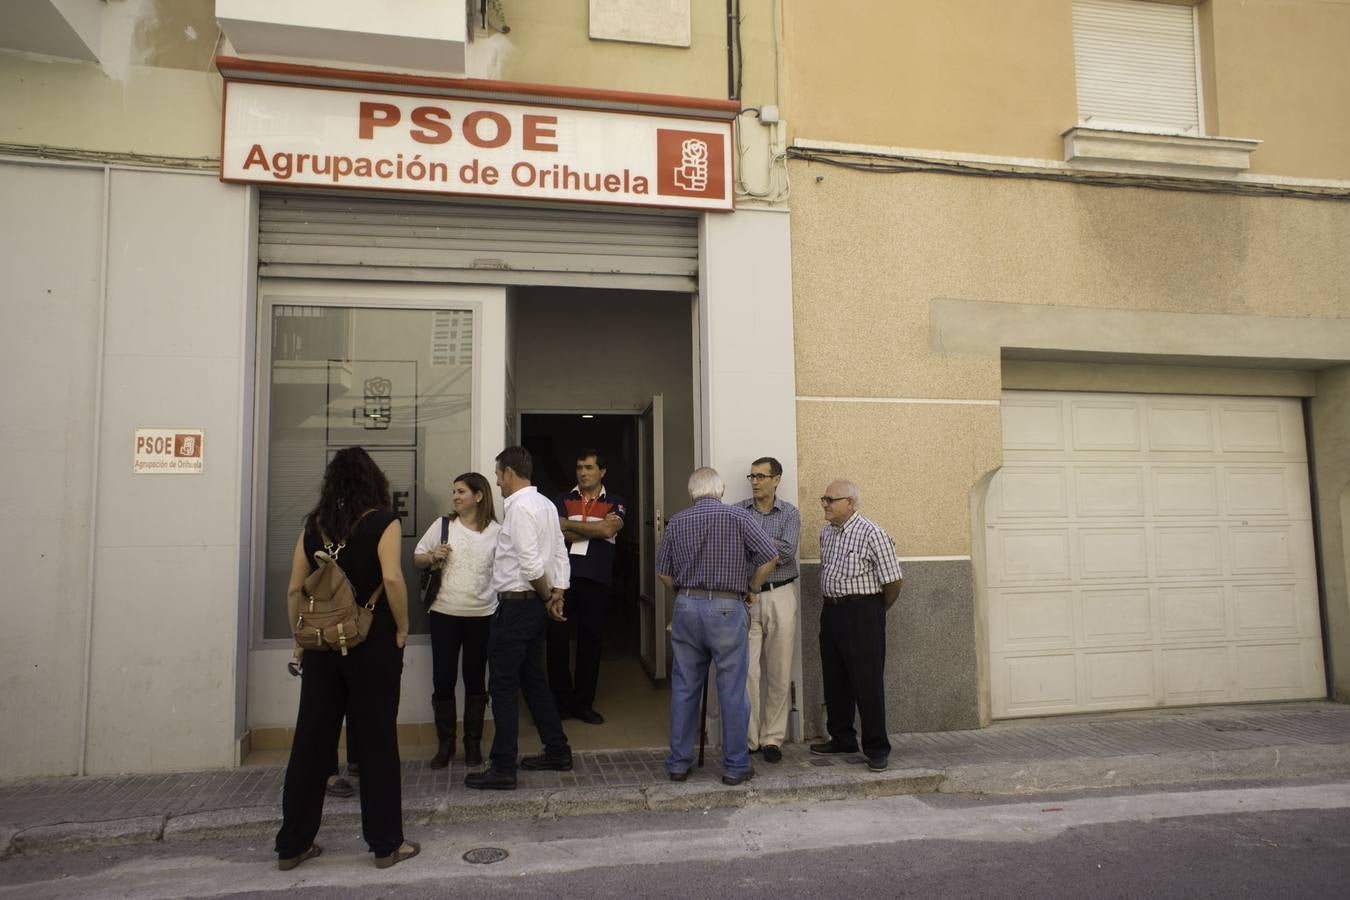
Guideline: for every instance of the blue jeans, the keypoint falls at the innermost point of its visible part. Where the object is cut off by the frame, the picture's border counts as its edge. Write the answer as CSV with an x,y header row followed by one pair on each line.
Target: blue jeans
x,y
709,629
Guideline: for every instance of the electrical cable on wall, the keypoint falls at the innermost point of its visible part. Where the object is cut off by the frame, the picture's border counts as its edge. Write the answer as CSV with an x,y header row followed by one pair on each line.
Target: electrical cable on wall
x,y
883,164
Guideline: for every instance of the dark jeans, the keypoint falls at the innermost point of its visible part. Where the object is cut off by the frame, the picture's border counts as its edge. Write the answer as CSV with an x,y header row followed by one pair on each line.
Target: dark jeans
x,y
585,605
451,635
852,663
516,666
363,686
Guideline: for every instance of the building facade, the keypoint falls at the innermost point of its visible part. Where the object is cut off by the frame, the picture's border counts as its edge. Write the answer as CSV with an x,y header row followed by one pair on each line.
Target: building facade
x,y
244,234
1071,305
1064,292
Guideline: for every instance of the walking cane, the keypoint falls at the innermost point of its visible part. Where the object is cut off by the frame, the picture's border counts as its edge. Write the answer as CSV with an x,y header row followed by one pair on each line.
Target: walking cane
x,y
703,729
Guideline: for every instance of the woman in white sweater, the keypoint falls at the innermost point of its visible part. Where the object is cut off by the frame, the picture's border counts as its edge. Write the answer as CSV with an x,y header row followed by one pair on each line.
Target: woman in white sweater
x,y
459,548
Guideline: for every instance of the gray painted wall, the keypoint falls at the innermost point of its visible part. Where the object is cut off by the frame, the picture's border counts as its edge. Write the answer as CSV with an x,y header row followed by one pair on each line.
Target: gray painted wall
x,y
151,562
51,243
931,682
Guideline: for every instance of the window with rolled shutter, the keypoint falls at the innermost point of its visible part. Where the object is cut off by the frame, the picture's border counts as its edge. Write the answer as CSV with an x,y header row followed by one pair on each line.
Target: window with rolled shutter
x,y
1137,66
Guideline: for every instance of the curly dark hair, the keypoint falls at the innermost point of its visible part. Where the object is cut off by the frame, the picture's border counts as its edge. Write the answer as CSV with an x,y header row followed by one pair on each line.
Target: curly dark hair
x,y
352,486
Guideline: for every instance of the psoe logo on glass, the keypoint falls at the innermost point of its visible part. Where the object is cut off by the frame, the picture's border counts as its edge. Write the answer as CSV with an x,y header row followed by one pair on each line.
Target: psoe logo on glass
x,y
690,164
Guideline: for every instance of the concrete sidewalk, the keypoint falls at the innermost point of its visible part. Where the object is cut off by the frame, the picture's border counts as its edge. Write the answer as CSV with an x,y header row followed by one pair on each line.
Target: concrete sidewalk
x,y
1156,747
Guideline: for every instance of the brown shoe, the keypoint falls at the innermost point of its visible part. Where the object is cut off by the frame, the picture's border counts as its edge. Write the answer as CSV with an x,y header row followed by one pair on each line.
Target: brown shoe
x,y
285,864
407,851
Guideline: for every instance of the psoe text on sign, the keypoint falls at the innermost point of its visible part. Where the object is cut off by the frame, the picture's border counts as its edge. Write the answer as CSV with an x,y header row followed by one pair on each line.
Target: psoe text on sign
x,y
169,451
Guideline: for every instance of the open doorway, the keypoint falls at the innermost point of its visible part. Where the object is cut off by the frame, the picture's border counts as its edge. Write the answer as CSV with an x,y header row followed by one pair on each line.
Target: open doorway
x,y
588,367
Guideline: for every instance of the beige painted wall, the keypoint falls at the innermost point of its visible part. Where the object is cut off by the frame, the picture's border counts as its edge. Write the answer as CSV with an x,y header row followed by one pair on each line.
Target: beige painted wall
x,y
151,96
1329,413
874,256
998,78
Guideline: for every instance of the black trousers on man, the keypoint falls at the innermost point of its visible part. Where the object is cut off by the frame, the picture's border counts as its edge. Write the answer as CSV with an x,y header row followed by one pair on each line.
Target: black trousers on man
x,y
363,686
852,662
585,604
516,666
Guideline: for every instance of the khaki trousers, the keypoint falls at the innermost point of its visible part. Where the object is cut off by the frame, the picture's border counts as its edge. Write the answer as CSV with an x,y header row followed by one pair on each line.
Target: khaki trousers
x,y
773,630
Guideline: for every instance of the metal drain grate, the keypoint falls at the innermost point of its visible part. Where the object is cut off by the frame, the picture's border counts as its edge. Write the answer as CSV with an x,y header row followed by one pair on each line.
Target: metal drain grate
x,y
485,855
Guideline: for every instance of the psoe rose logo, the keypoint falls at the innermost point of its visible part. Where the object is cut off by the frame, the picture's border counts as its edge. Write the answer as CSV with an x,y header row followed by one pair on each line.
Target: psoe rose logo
x,y
187,445
690,164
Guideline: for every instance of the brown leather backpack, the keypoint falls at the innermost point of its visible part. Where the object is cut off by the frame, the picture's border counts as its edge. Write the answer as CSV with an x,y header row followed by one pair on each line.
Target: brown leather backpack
x,y
330,618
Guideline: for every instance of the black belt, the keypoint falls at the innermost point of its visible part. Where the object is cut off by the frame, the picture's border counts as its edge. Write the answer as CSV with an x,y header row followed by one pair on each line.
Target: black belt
x,y
517,595
840,601
775,585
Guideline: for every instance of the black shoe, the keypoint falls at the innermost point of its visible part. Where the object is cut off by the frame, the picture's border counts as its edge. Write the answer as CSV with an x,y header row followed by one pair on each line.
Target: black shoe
x,y
339,787
772,754
877,763
680,776
733,780
589,716
830,748
490,780
547,762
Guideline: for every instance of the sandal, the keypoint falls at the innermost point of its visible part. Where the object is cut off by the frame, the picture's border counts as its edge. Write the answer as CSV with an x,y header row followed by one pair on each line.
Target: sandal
x,y
339,787
384,862
287,863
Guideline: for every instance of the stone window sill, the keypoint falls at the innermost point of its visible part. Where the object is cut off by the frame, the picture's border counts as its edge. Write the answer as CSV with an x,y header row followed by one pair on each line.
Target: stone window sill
x,y
1157,154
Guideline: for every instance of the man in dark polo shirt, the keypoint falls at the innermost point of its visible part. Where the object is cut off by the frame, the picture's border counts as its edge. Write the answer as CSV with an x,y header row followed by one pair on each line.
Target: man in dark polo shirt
x,y
591,518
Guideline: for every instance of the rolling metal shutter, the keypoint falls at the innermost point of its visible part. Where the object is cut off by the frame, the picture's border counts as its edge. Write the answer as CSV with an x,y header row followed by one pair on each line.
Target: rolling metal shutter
x,y
1136,65
341,236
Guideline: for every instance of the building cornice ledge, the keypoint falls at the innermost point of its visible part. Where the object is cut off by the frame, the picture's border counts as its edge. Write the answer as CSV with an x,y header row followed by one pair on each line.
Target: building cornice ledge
x,y
887,158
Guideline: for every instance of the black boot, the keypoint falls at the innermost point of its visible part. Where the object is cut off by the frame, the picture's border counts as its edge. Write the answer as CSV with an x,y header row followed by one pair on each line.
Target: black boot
x,y
475,705
445,732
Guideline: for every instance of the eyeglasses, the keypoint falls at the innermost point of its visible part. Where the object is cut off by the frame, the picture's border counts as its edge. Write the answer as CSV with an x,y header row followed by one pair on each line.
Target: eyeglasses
x,y
758,476
826,501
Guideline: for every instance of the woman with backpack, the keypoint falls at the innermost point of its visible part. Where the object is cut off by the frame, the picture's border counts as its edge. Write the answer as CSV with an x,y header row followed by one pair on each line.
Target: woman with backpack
x,y
341,674
457,550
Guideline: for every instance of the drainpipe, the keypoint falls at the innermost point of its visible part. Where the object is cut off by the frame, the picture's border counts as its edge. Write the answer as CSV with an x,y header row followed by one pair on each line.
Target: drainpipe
x,y
95,451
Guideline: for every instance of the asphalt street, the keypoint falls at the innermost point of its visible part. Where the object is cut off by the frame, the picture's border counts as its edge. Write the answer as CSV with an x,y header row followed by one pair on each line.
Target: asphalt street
x,y
1264,841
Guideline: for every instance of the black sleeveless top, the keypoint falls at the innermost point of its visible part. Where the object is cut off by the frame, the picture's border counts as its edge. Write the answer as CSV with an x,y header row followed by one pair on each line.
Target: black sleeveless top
x,y
360,561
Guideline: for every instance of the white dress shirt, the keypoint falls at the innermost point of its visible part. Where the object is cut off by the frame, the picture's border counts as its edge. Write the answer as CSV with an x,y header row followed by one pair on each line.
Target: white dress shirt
x,y
529,545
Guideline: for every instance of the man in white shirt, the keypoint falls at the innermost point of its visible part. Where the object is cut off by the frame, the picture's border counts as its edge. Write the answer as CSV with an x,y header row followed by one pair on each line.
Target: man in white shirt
x,y
529,574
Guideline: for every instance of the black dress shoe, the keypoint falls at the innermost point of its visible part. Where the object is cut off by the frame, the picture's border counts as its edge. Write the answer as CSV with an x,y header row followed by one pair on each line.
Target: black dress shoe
x,y
546,762
772,754
680,776
733,780
589,716
830,748
490,780
877,763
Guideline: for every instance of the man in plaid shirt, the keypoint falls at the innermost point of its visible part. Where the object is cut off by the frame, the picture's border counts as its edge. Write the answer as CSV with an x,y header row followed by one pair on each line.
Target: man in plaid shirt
x,y
715,558
859,580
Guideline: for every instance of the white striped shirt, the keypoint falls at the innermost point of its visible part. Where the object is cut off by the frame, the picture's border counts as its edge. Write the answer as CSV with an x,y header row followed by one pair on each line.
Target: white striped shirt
x,y
856,558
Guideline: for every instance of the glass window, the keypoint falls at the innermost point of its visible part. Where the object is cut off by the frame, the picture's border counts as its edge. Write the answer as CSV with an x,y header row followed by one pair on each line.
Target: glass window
x,y
398,382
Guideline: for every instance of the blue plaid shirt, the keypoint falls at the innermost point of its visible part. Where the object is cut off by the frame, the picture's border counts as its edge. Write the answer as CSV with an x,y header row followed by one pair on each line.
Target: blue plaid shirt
x,y
783,524
713,547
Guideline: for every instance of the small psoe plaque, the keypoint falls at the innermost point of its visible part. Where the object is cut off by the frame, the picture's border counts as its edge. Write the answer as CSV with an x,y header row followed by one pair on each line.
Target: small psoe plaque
x,y
169,451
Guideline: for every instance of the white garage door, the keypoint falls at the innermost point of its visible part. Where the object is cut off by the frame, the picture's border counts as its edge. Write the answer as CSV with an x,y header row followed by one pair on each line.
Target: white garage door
x,y
1150,551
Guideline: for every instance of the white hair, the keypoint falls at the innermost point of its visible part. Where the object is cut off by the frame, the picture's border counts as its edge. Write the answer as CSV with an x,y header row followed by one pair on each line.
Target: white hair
x,y
705,482
850,490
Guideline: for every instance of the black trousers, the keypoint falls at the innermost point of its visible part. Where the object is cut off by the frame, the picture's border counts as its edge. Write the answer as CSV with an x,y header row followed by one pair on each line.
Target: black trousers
x,y
451,636
852,662
585,605
363,686
516,666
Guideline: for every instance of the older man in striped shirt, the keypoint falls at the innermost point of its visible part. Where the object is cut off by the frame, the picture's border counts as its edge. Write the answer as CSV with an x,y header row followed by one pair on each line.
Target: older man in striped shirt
x,y
715,557
860,578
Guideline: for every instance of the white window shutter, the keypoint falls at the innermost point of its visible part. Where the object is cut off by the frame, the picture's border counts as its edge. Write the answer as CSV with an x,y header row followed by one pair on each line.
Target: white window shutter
x,y
1136,65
